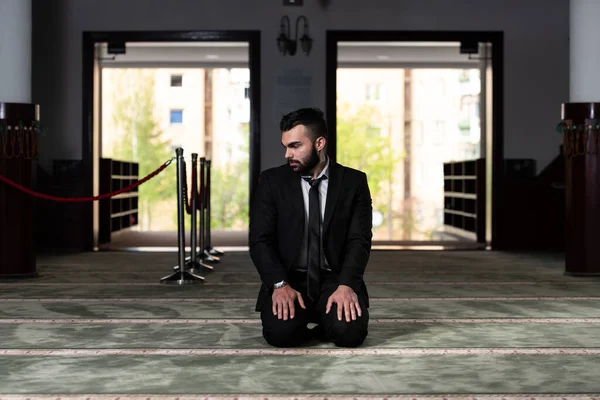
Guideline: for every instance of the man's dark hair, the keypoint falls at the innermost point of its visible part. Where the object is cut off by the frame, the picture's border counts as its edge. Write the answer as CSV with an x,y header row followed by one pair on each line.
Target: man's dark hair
x,y
312,118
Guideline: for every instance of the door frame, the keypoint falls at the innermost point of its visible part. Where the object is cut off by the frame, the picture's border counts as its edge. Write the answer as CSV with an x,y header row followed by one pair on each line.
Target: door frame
x,y
496,38
90,38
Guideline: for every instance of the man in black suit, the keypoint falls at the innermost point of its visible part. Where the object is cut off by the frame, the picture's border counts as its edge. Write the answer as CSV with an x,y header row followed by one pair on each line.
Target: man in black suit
x,y
310,240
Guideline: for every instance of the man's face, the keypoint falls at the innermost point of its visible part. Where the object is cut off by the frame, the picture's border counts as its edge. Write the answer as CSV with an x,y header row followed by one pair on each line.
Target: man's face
x,y
300,152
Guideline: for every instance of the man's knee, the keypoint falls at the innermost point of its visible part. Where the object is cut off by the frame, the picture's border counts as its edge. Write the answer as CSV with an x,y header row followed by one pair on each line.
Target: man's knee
x,y
285,334
348,334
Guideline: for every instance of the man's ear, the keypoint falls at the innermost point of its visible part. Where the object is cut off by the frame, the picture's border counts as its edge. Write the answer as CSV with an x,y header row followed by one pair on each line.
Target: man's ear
x,y
321,142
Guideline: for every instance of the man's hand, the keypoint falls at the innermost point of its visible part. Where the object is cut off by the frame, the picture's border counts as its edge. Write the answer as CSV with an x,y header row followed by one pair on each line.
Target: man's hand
x,y
347,303
283,302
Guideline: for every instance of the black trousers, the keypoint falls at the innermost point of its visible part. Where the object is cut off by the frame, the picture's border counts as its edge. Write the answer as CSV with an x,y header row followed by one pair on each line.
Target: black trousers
x,y
295,333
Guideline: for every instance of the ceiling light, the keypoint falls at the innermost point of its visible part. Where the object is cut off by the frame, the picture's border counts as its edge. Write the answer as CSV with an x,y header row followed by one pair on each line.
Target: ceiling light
x,y
212,56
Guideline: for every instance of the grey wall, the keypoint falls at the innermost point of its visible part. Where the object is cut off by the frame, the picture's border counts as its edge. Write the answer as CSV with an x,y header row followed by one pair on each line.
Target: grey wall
x,y
536,54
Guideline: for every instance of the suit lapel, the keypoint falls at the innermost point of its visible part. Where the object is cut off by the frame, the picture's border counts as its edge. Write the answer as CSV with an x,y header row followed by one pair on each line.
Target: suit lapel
x,y
295,189
336,173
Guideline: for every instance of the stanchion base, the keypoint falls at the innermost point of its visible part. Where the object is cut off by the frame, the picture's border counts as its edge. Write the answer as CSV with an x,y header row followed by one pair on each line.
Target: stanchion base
x,y
196,265
177,279
202,257
197,271
207,256
215,252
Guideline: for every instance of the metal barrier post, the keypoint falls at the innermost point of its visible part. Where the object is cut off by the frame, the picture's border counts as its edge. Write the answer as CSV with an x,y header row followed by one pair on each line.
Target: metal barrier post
x,y
211,251
204,202
194,265
181,277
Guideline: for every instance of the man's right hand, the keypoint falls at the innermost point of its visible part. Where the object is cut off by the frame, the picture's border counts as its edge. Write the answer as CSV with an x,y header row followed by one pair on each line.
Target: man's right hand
x,y
283,302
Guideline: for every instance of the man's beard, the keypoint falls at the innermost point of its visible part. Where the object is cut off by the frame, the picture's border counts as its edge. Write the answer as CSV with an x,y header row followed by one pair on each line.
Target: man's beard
x,y
303,167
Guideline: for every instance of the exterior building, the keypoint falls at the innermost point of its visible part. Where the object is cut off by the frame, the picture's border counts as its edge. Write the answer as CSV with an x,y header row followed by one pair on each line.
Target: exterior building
x,y
204,111
429,116
425,116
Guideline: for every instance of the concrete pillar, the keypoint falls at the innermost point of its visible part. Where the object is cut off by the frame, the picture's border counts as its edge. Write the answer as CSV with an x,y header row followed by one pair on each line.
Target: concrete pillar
x,y
15,51
585,50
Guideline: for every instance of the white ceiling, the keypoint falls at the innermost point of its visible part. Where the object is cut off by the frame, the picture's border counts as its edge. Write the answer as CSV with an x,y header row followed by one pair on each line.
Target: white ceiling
x,y
350,54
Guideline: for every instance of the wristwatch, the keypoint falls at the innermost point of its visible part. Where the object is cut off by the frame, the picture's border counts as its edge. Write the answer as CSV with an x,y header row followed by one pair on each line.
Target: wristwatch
x,y
279,285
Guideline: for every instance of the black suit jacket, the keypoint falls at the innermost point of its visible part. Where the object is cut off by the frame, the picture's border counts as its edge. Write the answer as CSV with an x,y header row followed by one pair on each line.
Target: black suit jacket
x,y
278,218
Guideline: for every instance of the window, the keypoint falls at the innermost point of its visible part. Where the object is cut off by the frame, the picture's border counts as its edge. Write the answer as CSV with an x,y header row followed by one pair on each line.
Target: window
x,y
176,80
475,112
373,91
464,126
469,106
176,116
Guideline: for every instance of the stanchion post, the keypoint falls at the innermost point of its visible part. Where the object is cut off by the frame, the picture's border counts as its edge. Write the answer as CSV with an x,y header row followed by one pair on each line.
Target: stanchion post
x,y
209,248
193,264
181,277
201,191
205,255
194,199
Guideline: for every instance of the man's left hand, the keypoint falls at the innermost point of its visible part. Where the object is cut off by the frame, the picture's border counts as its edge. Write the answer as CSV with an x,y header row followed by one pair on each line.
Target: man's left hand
x,y
347,303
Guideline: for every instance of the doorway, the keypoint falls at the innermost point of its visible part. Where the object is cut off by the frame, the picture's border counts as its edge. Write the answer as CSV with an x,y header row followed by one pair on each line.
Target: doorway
x,y
151,92
415,111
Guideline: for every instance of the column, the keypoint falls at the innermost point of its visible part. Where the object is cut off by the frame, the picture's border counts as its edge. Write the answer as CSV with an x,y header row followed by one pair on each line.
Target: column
x,y
581,130
584,59
18,140
15,51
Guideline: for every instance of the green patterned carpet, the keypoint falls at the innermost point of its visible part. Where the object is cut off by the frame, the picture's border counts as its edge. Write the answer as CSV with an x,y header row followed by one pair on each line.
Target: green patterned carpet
x,y
444,325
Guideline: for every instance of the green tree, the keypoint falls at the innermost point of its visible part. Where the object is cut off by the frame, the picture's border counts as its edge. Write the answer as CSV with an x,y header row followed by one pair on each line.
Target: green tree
x,y
362,146
230,189
230,197
140,136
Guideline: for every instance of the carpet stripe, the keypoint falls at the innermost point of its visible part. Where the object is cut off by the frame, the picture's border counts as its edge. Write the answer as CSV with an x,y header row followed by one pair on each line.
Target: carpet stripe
x,y
512,396
405,352
253,299
247,321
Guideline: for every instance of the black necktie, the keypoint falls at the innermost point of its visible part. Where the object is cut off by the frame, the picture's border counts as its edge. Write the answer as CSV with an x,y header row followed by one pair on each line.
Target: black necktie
x,y
314,256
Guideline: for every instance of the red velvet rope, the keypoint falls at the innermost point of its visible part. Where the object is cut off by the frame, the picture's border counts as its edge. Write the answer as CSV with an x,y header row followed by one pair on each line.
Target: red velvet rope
x,y
84,199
